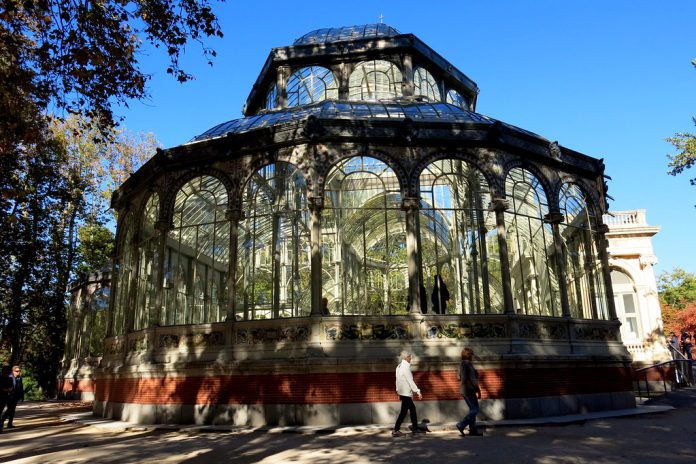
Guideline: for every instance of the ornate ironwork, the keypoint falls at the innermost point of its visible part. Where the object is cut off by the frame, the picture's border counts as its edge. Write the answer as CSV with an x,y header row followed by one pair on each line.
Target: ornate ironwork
x,y
192,340
255,336
465,331
366,332
542,330
594,333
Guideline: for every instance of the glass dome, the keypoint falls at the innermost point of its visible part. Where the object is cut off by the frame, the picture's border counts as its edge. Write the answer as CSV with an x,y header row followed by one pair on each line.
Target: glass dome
x,y
341,34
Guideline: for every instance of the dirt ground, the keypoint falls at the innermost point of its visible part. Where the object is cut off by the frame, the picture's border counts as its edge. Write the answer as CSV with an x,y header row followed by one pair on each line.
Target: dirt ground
x,y
43,435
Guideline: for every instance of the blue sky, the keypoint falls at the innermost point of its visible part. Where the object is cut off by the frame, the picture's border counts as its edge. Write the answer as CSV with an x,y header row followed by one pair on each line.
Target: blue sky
x,y
610,79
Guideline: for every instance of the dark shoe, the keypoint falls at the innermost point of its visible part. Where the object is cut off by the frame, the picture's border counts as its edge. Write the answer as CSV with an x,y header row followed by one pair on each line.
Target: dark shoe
x,y
10,426
475,433
397,433
461,429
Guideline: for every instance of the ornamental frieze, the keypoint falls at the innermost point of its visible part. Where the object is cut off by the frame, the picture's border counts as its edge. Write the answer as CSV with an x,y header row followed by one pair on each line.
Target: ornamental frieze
x,y
195,340
114,348
601,334
139,344
464,331
273,335
540,330
366,332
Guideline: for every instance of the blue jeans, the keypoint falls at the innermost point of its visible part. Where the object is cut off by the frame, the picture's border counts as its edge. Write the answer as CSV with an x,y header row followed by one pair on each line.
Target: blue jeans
x,y
470,418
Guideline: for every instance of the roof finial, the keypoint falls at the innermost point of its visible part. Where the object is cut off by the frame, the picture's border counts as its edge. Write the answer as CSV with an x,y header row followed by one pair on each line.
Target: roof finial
x,y
381,18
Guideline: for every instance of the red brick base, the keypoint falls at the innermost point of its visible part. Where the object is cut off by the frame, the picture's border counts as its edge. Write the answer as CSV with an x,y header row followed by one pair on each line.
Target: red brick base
x,y
372,387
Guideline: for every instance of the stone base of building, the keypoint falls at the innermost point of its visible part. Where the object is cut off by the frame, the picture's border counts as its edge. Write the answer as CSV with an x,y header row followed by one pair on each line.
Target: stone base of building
x,y
358,413
76,381
330,371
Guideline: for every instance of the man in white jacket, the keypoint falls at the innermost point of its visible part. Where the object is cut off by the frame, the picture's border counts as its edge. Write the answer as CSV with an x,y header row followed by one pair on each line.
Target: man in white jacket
x,y
405,388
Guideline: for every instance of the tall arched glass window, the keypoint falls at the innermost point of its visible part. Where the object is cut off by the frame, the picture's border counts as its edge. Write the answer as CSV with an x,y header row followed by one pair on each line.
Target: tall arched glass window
x,y
455,98
125,272
425,85
531,248
458,240
94,328
197,255
311,84
375,80
271,97
364,263
273,252
586,290
148,262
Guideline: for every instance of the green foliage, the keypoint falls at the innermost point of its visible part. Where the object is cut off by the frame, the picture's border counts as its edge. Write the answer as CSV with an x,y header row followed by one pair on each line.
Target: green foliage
x,y
32,390
95,248
677,288
57,173
685,143
677,291
82,57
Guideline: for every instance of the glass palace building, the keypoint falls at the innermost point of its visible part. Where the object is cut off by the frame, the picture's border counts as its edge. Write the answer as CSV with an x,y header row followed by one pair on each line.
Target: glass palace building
x,y
270,270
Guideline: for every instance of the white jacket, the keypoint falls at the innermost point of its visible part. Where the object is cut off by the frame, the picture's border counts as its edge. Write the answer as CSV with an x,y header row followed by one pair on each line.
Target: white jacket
x,y
405,386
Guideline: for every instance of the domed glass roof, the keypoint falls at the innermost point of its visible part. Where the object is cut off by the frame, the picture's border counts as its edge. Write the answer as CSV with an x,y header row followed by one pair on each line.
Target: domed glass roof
x,y
340,34
331,109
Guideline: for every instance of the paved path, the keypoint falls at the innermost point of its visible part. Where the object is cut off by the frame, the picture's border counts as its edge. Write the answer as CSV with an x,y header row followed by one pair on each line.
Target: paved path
x,y
65,433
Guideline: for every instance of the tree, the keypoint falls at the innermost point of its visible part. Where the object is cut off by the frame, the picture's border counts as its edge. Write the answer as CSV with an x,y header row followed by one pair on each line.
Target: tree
x,y
677,290
82,57
686,144
95,247
56,59
56,229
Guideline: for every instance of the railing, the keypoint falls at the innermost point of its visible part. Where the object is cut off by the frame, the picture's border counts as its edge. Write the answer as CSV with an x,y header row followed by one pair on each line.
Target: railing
x,y
625,218
683,374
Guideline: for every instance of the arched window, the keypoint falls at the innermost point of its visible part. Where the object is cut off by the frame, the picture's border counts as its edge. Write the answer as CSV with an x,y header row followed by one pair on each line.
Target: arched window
x,y
531,248
375,80
425,85
94,329
626,300
458,240
311,84
586,290
455,98
271,97
147,263
364,265
273,251
197,255
125,272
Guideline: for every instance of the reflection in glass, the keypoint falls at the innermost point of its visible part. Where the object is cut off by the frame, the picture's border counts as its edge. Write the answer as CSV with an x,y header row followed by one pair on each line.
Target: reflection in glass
x,y
586,290
271,97
455,98
364,265
273,252
374,80
148,262
310,85
531,247
94,329
124,276
458,239
425,85
197,255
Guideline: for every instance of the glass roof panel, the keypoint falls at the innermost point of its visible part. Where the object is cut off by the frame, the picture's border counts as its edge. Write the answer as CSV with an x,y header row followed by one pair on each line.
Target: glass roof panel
x,y
328,109
342,34
455,98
